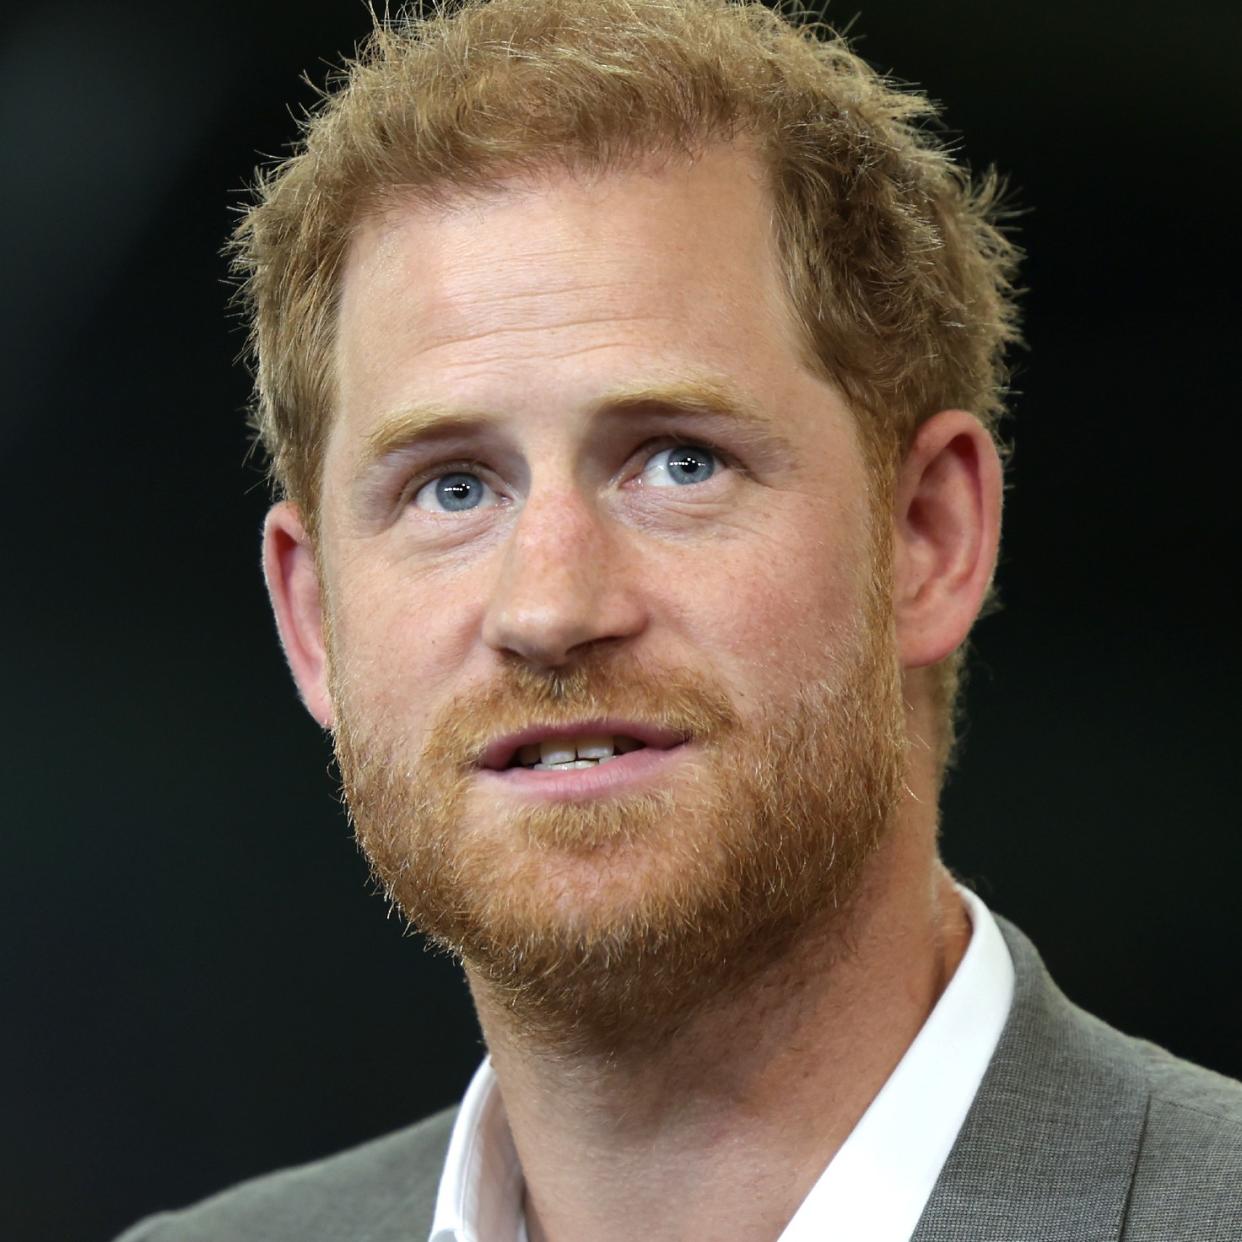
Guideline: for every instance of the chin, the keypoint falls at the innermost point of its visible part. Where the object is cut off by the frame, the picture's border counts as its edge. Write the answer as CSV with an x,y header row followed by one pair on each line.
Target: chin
x,y
607,920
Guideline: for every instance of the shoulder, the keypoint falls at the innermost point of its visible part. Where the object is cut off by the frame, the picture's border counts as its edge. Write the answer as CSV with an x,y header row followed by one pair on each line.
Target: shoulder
x,y
385,1189
1187,1098
1188,1179
1077,1126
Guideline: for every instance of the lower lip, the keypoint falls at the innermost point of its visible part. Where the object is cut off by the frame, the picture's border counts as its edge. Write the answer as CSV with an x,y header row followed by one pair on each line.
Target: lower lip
x,y
619,775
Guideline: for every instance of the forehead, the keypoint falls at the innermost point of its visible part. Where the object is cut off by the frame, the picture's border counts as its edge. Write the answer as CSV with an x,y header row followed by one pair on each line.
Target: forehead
x,y
559,289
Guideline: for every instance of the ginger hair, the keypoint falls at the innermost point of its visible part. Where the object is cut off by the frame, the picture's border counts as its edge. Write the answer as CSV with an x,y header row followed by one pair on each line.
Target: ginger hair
x,y
898,276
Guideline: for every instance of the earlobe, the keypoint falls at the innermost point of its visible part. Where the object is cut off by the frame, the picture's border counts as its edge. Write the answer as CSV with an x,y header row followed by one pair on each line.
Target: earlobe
x,y
947,531
294,589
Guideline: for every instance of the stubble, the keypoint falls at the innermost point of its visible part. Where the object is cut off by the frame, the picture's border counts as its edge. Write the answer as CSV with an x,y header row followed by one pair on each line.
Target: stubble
x,y
603,925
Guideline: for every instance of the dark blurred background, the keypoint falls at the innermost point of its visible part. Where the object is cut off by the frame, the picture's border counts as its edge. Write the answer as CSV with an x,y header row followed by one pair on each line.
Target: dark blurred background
x,y
198,985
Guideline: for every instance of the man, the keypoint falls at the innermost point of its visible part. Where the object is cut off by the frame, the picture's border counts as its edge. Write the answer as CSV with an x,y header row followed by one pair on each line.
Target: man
x,y
630,373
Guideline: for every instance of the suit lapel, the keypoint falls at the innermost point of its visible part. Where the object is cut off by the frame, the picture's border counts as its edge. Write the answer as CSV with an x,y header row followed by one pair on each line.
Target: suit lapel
x,y
416,1168
1046,1154
1048,1149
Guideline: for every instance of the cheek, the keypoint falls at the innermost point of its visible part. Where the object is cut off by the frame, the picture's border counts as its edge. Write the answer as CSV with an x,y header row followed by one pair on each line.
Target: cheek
x,y
400,638
763,612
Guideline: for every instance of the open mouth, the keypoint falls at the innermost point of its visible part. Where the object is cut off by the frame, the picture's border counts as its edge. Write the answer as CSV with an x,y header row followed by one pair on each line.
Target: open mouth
x,y
575,747
568,754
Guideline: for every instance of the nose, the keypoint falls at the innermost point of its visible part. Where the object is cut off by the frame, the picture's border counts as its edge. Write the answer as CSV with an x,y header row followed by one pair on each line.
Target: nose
x,y
563,584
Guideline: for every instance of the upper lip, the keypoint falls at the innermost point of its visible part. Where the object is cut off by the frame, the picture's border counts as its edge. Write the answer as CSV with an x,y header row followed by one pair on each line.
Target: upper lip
x,y
500,752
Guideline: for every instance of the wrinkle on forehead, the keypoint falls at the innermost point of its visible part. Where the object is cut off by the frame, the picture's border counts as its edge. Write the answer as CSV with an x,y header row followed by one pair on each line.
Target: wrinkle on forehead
x,y
629,272
601,229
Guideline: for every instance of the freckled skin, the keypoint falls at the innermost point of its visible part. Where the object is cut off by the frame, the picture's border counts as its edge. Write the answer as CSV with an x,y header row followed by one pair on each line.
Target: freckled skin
x,y
528,306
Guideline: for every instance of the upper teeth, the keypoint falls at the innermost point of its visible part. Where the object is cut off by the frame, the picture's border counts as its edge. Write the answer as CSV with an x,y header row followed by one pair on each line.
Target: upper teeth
x,y
571,749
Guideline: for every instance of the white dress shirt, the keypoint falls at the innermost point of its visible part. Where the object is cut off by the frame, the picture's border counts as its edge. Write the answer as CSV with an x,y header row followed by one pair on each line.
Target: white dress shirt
x,y
874,1189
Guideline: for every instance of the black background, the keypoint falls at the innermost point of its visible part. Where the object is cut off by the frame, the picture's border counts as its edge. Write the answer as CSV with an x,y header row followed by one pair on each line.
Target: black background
x,y
197,983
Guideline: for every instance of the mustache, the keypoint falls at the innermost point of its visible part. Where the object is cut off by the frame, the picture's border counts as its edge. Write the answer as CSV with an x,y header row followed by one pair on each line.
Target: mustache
x,y
596,686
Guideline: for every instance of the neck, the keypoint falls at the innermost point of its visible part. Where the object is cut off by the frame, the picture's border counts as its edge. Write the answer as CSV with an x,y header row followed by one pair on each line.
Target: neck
x,y
722,1130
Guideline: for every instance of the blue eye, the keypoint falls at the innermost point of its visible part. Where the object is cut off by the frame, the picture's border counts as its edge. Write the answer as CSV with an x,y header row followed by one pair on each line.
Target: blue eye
x,y
454,493
680,466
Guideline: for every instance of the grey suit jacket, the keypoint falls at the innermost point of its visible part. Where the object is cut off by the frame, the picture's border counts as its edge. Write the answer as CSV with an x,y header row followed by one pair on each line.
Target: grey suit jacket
x,y
1077,1134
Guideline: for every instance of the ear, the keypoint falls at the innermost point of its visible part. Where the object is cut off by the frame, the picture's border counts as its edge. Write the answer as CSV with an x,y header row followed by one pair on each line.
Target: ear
x,y
947,528
293,585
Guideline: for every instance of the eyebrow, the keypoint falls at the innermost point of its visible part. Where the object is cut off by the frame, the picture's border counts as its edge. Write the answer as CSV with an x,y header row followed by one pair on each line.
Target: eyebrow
x,y
704,396
419,422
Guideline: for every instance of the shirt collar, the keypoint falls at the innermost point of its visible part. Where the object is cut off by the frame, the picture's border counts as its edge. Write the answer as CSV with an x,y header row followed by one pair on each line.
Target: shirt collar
x,y
876,1186
480,1196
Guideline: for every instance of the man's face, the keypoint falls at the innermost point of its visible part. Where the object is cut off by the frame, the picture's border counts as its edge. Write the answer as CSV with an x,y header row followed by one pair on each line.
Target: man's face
x,y
543,527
